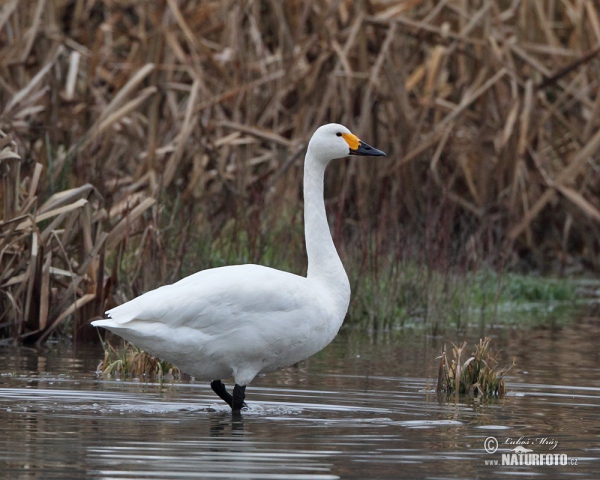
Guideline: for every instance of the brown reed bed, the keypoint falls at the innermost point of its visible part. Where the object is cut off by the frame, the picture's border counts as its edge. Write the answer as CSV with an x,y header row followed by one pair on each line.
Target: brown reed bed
x,y
146,140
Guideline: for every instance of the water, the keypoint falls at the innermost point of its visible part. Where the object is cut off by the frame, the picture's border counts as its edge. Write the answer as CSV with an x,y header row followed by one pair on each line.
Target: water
x,y
363,408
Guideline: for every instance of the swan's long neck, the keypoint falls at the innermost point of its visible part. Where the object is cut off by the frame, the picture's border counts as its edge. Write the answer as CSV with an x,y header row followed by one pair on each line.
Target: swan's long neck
x,y
324,264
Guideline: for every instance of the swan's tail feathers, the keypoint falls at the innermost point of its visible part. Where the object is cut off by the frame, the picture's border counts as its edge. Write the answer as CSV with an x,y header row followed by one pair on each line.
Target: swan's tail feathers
x,y
118,315
103,323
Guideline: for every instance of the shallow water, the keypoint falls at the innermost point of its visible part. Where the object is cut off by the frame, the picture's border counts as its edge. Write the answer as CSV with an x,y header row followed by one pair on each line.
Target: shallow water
x,y
363,408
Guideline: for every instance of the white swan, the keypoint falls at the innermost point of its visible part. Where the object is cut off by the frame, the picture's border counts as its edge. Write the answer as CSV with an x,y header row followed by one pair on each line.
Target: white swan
x,y
239,321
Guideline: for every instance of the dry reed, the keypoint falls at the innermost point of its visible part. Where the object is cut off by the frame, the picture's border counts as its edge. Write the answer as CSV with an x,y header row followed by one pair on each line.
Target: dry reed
x,y
477,376
137,132
130,361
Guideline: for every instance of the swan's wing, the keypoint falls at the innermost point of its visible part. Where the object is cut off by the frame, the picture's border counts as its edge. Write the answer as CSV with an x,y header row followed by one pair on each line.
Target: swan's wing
x,y
216,299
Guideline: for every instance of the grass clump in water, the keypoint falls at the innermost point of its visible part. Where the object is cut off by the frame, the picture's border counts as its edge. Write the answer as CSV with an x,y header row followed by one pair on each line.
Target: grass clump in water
x,y
478,376
130,361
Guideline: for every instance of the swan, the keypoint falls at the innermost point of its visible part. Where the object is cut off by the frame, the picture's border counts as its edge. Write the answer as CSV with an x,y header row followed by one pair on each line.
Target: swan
x,y
243,320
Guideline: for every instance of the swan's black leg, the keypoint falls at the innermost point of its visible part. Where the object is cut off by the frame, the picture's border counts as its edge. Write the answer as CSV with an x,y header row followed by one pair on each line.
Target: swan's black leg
x,y
221,391
239,393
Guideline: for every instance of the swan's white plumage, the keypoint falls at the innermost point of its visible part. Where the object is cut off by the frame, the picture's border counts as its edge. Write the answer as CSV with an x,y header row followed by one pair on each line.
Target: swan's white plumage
x,y
230,321
247,319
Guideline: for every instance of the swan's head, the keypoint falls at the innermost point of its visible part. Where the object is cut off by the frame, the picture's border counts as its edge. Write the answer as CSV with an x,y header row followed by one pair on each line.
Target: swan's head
x,y
336,141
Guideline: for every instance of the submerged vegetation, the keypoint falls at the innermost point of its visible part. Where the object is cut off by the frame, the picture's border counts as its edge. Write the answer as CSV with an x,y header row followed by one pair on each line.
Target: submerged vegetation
x,y
143,141
478,376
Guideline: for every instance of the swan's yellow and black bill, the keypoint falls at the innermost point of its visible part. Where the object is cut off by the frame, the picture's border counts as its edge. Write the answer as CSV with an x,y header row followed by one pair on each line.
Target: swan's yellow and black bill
x,y
358,147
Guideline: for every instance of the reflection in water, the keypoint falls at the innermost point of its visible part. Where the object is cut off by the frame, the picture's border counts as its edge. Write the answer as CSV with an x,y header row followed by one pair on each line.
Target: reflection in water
x,y
363,408
226,426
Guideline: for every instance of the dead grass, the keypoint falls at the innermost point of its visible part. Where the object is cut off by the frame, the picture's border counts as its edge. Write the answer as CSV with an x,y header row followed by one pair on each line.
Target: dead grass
x,y
130,361
478,376
138,133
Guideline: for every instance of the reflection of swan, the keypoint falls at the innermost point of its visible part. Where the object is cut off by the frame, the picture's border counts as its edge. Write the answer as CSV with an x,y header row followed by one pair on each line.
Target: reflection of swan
x,y
521,449
243,320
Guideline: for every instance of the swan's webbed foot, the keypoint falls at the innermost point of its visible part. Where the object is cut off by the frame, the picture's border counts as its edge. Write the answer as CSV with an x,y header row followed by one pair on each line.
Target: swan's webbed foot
x,y
236,402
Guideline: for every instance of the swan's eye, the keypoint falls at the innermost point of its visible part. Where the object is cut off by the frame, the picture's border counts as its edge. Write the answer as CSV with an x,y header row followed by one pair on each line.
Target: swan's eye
x,y
338,134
